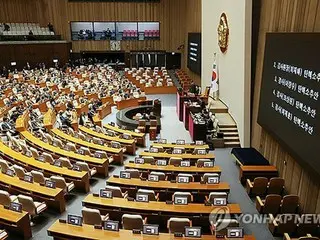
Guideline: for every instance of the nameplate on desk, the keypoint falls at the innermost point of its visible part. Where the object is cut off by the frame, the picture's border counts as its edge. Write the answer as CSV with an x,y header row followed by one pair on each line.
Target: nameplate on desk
x,y
177,151
76,167
62,221
192,232
125,175
180,142
162,163
74,220
28,178
16,207
153,178
162,141
201,152
199,142
111,225
208,164
185,164
112,124
50,184
139,160
177,234
57,163
10,173
97,227
150,229
141,197
154,150
136,231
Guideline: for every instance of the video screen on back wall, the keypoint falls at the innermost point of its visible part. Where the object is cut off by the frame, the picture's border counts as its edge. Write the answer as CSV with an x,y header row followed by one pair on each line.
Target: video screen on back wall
x,y
289,100
194,52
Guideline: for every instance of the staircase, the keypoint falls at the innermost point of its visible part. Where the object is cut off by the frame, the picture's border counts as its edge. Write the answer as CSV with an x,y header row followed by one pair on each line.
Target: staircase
x,y
226,124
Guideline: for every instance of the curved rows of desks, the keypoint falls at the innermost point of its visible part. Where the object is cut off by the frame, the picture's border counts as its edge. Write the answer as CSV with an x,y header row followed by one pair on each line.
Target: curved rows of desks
x,y
100,164
80,179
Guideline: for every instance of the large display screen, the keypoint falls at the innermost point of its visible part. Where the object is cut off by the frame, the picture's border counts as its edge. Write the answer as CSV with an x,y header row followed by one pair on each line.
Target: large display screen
x,y
115,31
289,100
194,52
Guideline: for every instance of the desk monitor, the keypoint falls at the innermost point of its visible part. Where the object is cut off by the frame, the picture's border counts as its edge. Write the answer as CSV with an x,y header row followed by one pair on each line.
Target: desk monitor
x,y
177,151
199,142
180,200
220,201
154,150
104,193
153,178
10,172
97,155
213,180
110,133
182,179
235,232
180,142
115,145
139,160
142,197
50,184
76,167
192,232
150,229
185,163
208,164
28,178
126,136
124,174
163,141
14,206
81,151
112,124
57,163
111,225
74,220
162,162
201,152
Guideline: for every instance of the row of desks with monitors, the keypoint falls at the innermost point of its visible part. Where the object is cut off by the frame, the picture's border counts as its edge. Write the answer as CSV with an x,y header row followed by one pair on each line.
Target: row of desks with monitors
x,y
62,231
184,156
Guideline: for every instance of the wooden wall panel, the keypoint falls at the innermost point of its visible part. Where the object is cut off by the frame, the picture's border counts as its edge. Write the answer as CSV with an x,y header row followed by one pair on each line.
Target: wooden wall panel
x,y
285,16
18,11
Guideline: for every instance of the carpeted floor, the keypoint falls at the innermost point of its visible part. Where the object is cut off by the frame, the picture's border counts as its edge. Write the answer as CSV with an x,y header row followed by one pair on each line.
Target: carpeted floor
x,y
171,130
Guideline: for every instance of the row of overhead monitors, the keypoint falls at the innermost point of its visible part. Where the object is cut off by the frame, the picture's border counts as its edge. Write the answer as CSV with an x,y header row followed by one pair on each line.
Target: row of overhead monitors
x,y
115,31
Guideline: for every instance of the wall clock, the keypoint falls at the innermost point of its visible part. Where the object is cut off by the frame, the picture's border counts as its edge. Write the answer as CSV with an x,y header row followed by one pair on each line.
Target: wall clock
x,y
223,33
115,45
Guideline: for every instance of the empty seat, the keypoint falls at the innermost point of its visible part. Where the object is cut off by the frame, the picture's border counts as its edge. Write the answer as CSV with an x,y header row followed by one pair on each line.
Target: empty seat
x,y
61,183
307,237
97,141
93,216
65,162
275,186
6,198
270,205
130,222
149,160
161,175
85,167
49,138
258,186
151,194
38,177
82,136
24,149
290,204
284,223
57,142
116,191
188,195
28,205
100,154
20,171
134,173
4,166
175,161
47,157
214,195
84,151
177,225
200,162
35,154
71,132
189,176
71,147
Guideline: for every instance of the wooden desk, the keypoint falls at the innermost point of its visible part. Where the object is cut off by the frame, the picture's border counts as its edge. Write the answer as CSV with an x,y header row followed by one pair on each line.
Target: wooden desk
x,y
161,90
163,155
172,168
53,197
141,137
166,188
22,122
82,108
101,164
61,231
153,206
251,172
104,110
16,222
186,146
49,119
129,144
133,102
116,153
80,179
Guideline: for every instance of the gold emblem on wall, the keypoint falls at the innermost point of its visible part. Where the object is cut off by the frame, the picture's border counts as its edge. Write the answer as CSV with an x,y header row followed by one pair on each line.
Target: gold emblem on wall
x,y
223,33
